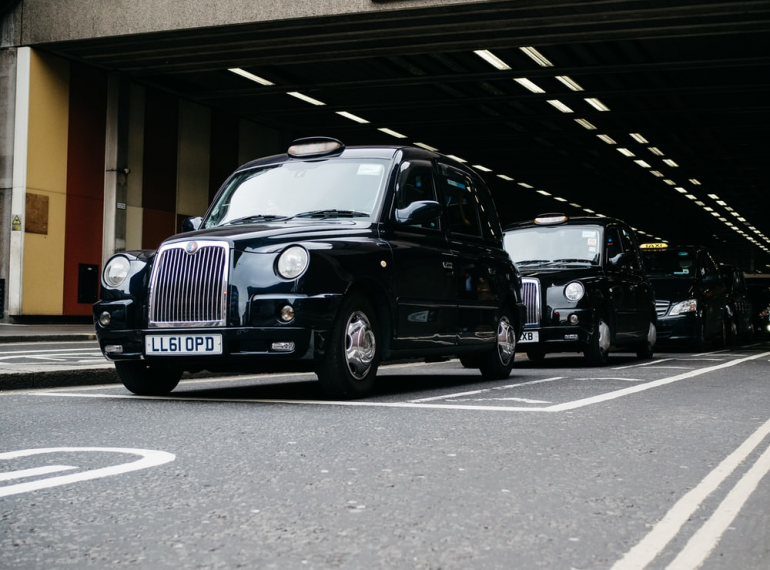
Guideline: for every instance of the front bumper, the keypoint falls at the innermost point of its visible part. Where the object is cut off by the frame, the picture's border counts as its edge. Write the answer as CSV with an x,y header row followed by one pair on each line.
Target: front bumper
x,y
560,335
679,328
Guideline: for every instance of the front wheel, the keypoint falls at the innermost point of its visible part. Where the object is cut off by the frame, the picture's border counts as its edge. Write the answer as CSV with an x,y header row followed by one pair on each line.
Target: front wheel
x,y
348,367
497,363
145,379
598,350
646,348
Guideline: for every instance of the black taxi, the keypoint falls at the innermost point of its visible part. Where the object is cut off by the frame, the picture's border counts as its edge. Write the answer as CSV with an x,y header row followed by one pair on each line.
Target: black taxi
x,y
325,258
584,287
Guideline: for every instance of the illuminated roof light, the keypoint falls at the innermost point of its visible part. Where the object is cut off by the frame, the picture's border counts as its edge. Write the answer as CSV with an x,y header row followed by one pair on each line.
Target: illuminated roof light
x,y
670,182
690,197
607,138
306,98
392,133
734,213
569,82
533,87
656,151
525,185
585,124
708,209
590,211
482,168
575,205
715,214
699,203
250,76
352,117
741,219
457,158
561,106
426,146
670,162
656,173
560,199
729,224
721,219
639,138
504,177
694,181
680,190
642,163
492,59
729,209
721,202
596,104
625,152
543,192
536,56
713,196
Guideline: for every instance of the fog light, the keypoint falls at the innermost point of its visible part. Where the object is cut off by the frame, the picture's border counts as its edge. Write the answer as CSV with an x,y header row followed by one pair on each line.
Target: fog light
x,y
573,319
113,349
104,319
287,313
283,346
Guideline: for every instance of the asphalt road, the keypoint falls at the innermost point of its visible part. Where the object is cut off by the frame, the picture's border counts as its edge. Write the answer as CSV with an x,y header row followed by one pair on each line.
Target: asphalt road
x,y
658,464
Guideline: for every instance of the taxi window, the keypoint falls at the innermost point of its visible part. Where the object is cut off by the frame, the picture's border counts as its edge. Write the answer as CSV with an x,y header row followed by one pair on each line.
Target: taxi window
x,y
461,203
416,184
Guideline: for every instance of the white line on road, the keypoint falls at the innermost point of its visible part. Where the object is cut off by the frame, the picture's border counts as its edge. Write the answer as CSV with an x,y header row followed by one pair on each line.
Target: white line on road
x,y
34,472
474,392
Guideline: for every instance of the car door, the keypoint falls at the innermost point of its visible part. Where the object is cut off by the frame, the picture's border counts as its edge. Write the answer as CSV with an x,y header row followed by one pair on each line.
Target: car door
x,y
423,267
642,296
621,285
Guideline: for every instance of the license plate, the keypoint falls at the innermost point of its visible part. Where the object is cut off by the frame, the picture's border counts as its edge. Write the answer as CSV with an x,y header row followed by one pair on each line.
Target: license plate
x,y
529,336
182,344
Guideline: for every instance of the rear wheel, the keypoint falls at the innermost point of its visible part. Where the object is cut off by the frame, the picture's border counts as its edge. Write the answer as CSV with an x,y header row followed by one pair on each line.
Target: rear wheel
x,y
497,364
146,379
598,350
349,367
645,350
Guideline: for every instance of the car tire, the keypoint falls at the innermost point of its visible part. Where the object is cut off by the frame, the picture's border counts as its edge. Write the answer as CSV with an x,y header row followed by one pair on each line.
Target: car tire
x,y
598,349
145,379
497,363
647,348
349,365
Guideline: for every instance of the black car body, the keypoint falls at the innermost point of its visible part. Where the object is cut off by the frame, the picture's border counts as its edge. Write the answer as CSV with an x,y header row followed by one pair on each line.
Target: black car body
x,y
690,294
325,258
739,308
584,287
758,285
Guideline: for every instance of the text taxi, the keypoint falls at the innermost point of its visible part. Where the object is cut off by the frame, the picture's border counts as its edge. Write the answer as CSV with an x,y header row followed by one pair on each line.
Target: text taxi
x,y
325,258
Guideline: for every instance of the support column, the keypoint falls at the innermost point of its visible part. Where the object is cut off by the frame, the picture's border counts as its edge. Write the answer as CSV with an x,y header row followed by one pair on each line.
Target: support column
x,y
116,166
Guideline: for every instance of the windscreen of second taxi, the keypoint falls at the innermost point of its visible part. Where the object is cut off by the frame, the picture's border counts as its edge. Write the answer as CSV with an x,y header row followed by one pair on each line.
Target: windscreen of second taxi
x,y
291,188
551,245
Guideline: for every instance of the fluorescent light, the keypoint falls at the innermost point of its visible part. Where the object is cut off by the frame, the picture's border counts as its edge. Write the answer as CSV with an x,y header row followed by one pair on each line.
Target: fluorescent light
x,y
694,181
352,117
457,158
656,151
426,146
642,163
561,106
689,196
305,98
596,104
585,124
625,152
734,213
543,192
708,209
536,56
699,203
670,182
569,82
713,196
715,214
250,76
524,82
656,173
606,138
559,199
525,185
492,59
588,210
680,190
639,138
575,205
670,162
504,177
482,168
392,133
721,202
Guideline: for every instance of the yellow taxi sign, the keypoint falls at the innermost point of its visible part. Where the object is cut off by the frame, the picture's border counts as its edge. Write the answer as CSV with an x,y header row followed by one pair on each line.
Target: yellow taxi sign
x,y
547,219
654,245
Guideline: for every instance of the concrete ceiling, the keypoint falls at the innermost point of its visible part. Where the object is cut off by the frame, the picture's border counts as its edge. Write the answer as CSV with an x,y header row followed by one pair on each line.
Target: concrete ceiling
x,y
691,77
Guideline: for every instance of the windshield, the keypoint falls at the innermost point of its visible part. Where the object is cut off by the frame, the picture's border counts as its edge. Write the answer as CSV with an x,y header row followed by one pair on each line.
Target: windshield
x,y
319,189
560,245
670,263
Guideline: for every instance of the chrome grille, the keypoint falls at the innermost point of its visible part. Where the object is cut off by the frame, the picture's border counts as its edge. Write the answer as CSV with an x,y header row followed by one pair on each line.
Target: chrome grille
x,y
531,290
189,289
661,307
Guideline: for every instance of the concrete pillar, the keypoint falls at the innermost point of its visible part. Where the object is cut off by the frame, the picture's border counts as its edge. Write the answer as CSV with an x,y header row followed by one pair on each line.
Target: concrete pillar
x,y
116,166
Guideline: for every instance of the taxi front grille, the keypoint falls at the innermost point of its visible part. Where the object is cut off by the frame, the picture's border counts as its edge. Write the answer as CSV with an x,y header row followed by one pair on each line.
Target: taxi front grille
x,y
530,288
661,307
188,287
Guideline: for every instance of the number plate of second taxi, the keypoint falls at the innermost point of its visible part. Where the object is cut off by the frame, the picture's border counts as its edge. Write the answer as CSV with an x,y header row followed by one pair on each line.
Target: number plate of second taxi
x,y
182,344
529,336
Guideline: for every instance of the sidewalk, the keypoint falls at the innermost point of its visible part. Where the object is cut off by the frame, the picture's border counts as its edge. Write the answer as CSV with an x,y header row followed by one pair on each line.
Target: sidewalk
x,y
25,376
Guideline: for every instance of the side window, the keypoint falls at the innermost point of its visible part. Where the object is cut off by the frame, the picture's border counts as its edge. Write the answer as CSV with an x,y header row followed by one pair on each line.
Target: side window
x,y
706,263
416,184
629,247
612,245
460,202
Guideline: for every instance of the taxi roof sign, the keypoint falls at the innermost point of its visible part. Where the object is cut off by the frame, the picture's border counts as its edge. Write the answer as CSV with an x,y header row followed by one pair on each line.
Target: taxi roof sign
x,y
314,146
654,245
550,219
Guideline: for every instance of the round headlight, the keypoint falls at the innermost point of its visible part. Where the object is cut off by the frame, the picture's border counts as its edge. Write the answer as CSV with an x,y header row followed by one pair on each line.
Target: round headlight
x,y
116,271
292,262
574,291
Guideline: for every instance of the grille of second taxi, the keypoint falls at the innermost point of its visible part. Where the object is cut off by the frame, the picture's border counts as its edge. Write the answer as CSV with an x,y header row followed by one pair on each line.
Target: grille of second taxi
x,y
531,291
189,288
661,307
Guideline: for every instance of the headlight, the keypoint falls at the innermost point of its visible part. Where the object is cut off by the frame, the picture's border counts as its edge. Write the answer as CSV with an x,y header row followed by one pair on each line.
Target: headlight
x,y
292,262
688,306
116,271
574,291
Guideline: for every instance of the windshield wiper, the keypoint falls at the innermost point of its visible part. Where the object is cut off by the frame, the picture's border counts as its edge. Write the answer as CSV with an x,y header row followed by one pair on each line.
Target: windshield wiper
x,y
332,213
569,260
532,261
255,218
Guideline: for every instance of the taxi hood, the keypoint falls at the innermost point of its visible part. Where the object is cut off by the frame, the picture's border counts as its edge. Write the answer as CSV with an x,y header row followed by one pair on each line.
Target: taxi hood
x,y
561,275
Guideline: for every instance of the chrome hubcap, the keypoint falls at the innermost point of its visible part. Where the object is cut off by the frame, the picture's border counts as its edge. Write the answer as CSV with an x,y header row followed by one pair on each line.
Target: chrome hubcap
x,y
360,345
652,335
506,341
604,336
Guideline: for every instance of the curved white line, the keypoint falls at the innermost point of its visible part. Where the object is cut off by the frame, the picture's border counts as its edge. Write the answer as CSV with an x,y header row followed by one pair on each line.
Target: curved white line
x,y
149,458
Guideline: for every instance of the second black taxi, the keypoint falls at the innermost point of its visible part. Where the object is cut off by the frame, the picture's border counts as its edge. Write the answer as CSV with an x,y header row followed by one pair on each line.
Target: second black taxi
x,y
584,287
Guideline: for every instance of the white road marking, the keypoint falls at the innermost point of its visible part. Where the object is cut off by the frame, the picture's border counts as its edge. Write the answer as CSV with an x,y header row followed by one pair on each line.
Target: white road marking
x,y
52,350
649,363
641,555
34,472
149,458
610,378
473,392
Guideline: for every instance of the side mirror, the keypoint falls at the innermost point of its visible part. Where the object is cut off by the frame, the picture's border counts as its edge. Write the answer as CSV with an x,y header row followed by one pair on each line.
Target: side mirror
x,y
191,224
420,212
620,259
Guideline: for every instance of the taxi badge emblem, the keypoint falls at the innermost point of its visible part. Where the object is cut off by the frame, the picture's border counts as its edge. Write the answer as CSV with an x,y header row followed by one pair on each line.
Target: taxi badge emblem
x,y
191,247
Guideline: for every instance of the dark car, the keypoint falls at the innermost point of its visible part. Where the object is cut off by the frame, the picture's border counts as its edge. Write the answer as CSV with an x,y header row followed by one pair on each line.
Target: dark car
x,y
690,293
584,287
740,309
326,258
758,285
